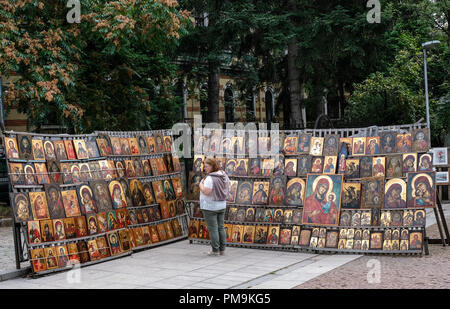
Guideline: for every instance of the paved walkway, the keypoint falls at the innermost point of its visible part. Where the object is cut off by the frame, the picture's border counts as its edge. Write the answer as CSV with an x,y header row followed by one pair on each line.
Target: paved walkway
x,y
185,266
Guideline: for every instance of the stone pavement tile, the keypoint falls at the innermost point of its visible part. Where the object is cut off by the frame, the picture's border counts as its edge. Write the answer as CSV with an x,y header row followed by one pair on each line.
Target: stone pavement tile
x,y
225,281
200,273
205,285
275,284
181,282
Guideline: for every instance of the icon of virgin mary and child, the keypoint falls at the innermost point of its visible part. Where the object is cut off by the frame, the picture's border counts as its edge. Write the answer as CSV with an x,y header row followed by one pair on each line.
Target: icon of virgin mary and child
x,y
320,207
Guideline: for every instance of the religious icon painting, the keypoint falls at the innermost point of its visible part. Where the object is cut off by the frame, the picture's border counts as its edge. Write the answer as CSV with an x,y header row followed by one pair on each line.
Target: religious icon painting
x,y
394,166
117,194
278,167
193,186
101,195
91,147
115,143
316,148
231,197
366,218
408,217
37,259
409,163
420,140
125,240
104,146
54,172
376,240
177,228
124,146
277,190
54,201
346,217
38,149
158,189
396,218
29,174
295,192
260,234
80,149
129,169
358,234
330,163
331,145
241,167
287,216
86,199
395,194
102,222
85,172
385,219
421,190
76,174
160,147
92,224
388,142
424,163
415,240
358,148
273,235
267,167
263,145
372,145
331,239
351,195
17,173
21,207
238,145
81,249
60,150
259,214
169,230
372,192
419,218
137,194
11,149
268,215
72,252
134,148
240,214
230,166
285,236
278,215
25,147
58,228
305,236
356,218
148,194
47,232
351,168
39,206
313,242
365,167
290,145
290,167
323,199
63,257
304,143
403,143
34,232
50,255
103,247
168,143
346,145
245,190
260,192
317,165
250,214
378,166
41,173
161,166
193,228
248,234
94,253
304,165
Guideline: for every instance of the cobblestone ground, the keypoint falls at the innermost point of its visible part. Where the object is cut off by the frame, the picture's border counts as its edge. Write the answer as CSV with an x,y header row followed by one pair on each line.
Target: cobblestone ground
x,y
396,272
7,257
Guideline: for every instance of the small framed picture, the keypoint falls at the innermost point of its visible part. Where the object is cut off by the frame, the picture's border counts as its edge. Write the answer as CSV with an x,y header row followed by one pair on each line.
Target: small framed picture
x,y
442,178
440,156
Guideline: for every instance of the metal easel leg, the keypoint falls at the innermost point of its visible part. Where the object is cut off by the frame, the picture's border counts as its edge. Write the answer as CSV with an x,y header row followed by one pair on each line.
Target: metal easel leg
x,y
425,242
438,222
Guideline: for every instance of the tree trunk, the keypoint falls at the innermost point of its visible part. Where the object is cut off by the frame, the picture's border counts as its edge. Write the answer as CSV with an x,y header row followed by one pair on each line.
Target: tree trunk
x,y
213,93
296,121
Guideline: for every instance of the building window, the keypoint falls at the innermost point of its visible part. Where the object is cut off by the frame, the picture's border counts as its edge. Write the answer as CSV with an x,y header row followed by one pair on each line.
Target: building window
x,y
229,105
250,107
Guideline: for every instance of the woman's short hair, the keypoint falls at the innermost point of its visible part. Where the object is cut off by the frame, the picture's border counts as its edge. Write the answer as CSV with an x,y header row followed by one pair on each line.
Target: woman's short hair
x,y
213,163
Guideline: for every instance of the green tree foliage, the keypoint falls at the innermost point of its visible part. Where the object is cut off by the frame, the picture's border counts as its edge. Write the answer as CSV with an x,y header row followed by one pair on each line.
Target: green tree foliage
x,y
112,71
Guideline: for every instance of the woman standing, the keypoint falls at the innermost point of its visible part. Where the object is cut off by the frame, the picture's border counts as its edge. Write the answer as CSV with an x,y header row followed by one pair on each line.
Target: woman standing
x,y
213,194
